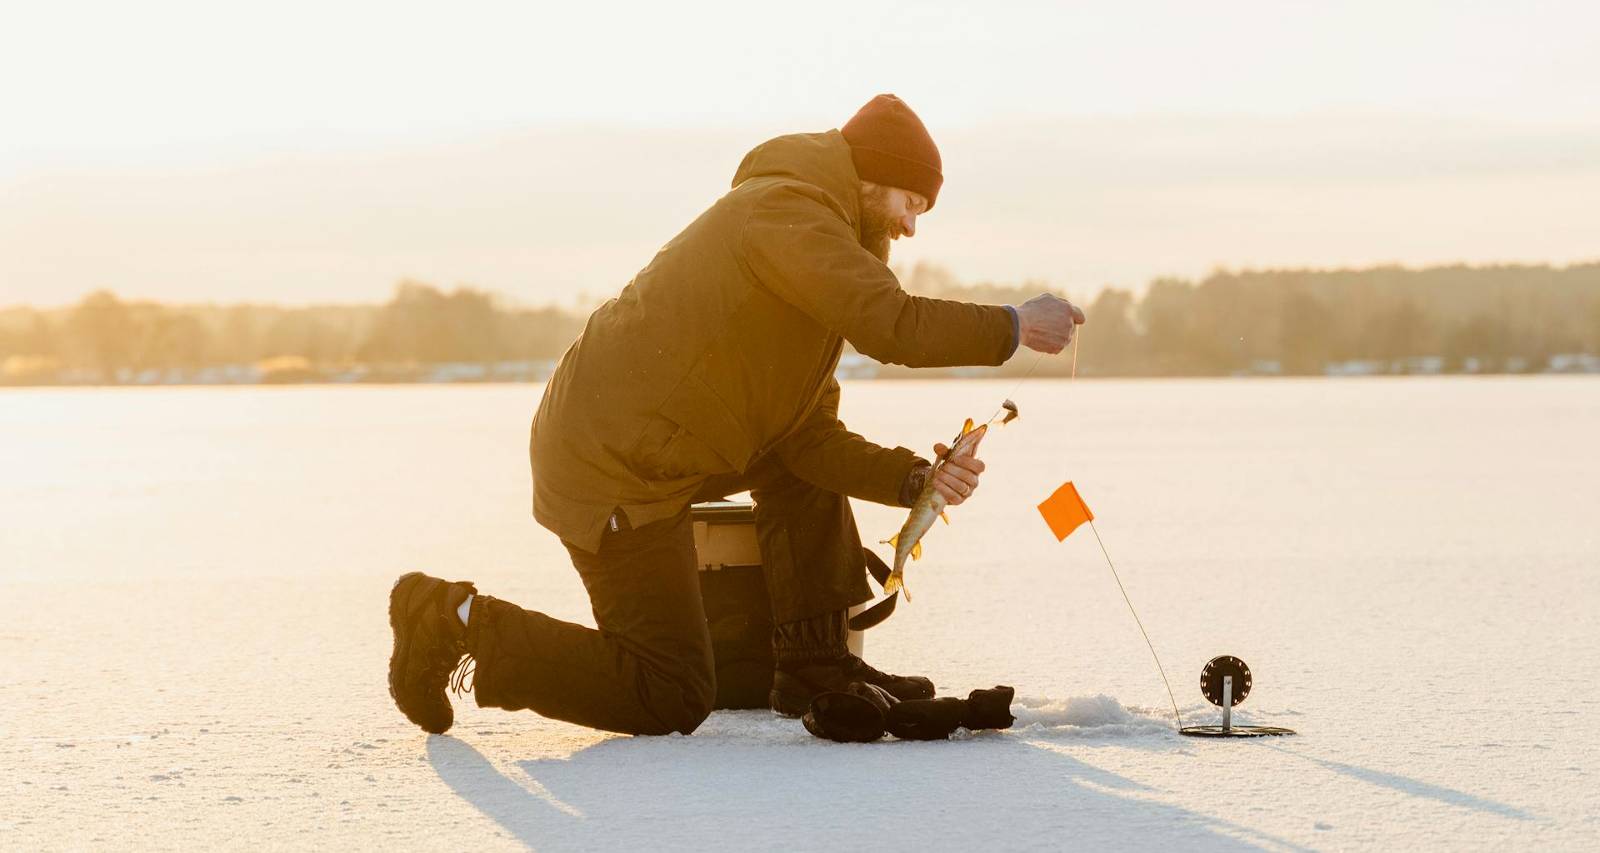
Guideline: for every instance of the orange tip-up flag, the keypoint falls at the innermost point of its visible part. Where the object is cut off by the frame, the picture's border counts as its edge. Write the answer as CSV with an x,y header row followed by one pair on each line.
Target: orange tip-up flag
x,y
1064,511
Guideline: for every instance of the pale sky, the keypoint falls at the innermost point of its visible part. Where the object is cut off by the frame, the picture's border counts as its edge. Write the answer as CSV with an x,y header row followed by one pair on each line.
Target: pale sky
x,y
303,152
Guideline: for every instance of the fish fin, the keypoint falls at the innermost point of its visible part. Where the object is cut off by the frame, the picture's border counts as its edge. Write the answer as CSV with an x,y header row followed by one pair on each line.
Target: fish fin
x,y
892,583
892,541
966,427
916,551
945,517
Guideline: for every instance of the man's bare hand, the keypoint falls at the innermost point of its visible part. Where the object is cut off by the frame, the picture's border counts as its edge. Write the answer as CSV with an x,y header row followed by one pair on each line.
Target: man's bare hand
x,y
1048,323
957,479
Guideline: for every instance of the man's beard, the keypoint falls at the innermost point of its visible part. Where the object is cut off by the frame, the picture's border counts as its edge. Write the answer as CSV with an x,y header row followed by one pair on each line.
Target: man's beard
x,y
877,227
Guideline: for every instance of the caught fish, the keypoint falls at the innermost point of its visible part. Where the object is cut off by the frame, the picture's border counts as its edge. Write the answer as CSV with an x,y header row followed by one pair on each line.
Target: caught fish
x,y
929,504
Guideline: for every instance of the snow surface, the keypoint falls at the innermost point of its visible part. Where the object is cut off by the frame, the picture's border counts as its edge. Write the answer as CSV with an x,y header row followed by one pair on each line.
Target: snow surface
x,y
193,641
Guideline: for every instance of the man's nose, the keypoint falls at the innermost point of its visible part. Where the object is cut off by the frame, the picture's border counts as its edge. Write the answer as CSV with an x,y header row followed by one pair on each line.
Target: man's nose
x,y
908,224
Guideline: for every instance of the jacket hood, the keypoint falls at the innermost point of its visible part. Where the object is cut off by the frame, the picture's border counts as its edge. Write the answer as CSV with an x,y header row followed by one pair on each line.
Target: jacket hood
x,y
819,159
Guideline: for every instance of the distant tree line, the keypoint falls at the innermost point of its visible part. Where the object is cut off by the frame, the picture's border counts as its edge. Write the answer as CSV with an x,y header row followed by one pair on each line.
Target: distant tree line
x,y
420,325
1293,322
1514,318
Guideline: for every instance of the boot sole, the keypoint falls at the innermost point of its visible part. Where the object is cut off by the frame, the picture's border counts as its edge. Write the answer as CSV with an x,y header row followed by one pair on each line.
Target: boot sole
x,y
396,615
394,630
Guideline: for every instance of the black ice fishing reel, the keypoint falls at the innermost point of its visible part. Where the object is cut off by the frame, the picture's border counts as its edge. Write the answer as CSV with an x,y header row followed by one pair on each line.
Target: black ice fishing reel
x,y
1225,682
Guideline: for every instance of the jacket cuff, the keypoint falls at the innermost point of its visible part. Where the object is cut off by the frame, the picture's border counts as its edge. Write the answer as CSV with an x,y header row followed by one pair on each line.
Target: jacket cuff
x,y
914,481
1016,331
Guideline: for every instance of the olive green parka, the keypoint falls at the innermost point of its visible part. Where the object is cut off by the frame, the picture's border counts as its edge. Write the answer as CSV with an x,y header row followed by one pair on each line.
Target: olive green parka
x,y
724,347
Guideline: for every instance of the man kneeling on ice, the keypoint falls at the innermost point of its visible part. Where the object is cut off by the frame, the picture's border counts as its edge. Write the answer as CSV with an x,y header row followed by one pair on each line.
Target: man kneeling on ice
x,y
710,374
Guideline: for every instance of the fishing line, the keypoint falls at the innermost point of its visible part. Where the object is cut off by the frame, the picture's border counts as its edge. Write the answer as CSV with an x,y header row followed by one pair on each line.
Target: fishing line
x,y
1036,360
1007,398
1077,336
1075,339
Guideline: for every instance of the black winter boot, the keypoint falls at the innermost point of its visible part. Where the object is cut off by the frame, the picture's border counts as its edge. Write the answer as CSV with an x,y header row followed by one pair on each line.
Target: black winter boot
x,y
901,687
813,658
854,716
429,641
936,719
925,719
989,709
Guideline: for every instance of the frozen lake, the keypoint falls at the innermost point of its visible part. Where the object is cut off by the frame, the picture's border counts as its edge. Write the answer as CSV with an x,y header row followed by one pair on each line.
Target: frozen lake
x,y
193,637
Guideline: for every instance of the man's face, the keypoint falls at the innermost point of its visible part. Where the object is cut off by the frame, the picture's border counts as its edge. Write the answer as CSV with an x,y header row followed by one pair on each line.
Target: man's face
x,y
888,213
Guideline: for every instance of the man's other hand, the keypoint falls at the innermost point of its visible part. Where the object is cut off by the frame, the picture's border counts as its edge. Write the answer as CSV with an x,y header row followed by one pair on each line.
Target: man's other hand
x,y
1048,322
957,479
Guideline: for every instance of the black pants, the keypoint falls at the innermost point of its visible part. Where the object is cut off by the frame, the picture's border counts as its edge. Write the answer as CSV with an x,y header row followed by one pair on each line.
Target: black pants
x,y
648,669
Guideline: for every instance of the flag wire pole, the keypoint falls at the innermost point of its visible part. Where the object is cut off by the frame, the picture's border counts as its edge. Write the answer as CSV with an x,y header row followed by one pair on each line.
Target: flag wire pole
x,y
1139,622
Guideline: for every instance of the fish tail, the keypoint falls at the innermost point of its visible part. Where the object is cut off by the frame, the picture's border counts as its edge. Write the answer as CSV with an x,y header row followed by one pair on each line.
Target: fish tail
x,y
896,583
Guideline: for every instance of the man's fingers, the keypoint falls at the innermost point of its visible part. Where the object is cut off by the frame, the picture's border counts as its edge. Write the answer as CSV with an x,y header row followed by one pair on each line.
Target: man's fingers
x,y
962,461
957,478
1047,322
971,463
952,495
965,466
961,480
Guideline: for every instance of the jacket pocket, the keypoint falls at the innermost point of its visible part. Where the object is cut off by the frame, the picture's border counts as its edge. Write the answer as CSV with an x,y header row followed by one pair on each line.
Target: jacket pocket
x,y
669,451
708,425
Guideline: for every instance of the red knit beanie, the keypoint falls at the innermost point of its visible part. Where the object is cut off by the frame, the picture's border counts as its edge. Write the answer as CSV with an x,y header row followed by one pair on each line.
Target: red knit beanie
x,y
890,146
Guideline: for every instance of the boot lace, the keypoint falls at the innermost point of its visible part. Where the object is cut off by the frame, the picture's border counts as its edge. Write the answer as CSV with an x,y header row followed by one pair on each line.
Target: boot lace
x,y
863,671
464,677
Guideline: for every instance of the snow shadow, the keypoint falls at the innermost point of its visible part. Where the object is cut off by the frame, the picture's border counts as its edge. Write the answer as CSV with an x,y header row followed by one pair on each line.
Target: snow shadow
x,y
747,780
1417,788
